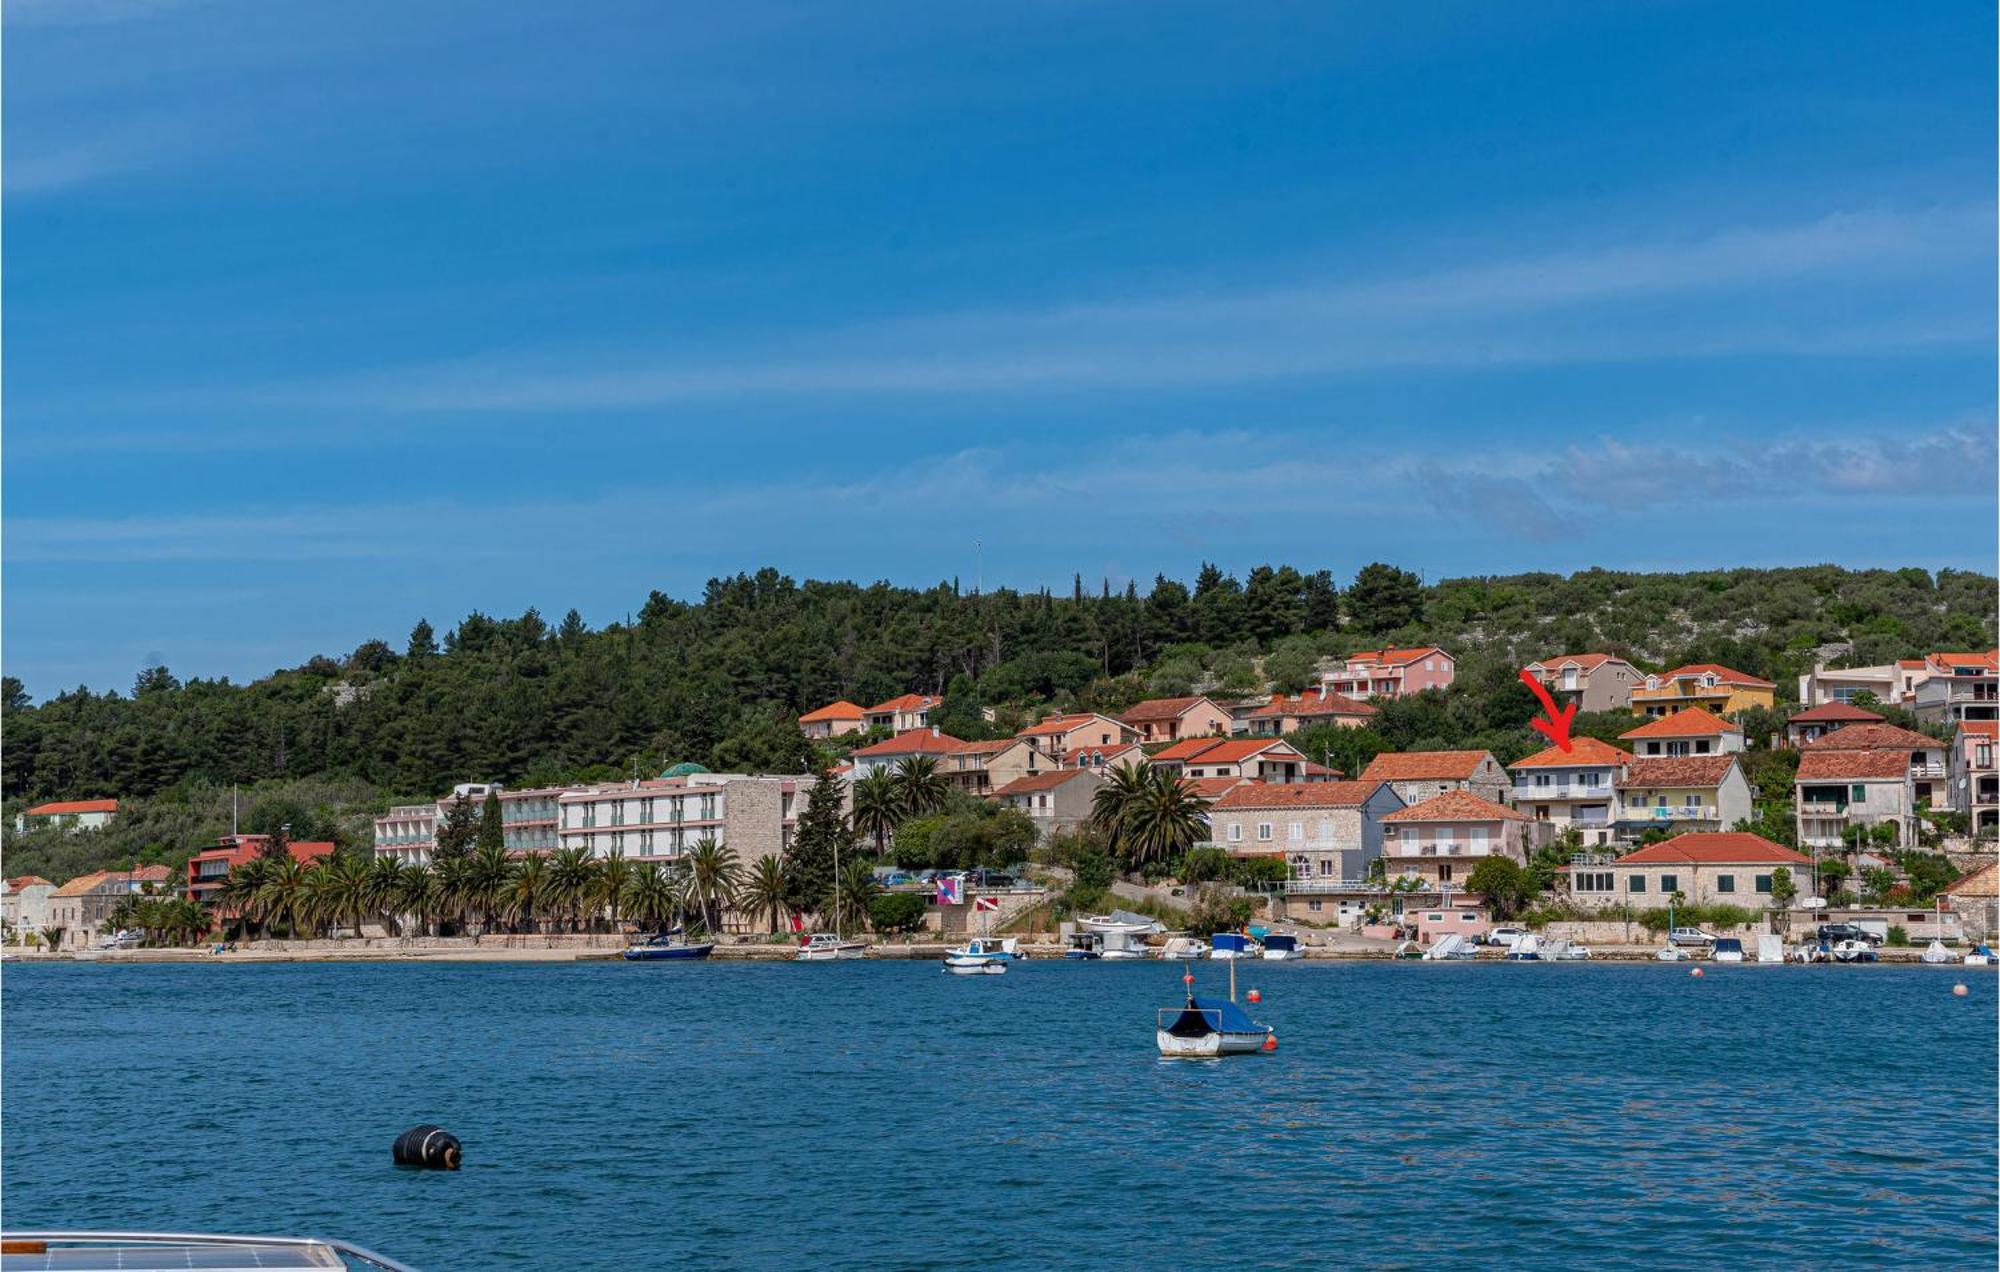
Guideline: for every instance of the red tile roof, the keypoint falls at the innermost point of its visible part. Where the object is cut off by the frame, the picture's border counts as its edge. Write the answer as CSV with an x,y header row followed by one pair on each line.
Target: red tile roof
x,y
842,710
19,882
1161,709
1874,737
1040,781
1299,795
993,747
1980,728
906,702
1983,882
73,806
1394,657
1060,724
1682,770
1689,722
1456,806
1715,848
1582,751
1216,787
1990,660
149,874
1221,750
912,742
1830,712
1423,766
1848,766
1725,675
1314,702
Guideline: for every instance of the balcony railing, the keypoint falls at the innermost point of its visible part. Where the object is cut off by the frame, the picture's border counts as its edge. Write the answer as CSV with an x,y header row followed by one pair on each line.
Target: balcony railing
x,y
1562,790
1673,812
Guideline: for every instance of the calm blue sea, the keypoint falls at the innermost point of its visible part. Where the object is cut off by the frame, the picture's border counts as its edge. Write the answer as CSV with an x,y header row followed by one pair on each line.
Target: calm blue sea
x,y
886,1115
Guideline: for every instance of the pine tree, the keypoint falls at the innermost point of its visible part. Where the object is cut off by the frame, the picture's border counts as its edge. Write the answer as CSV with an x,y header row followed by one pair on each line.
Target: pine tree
x,y
461,827
491,833
822,831
423,641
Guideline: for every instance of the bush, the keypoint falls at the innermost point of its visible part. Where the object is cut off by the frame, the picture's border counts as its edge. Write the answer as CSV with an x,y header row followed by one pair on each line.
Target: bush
x,y
1248,872
896,912
1202,865
1216,910
1899,936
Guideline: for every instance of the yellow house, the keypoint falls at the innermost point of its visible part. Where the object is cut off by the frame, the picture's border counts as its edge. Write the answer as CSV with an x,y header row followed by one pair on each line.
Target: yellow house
x,y
1710,686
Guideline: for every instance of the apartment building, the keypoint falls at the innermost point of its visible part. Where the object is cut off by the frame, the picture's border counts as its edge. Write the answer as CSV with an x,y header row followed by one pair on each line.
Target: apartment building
x,y
209,869
1927,757
24,903
1958,687
1574,789
1595,682
1702,792
82,907
903,713
980,768
68,815
1058,734
836,719
1390,673
1837,790
1711,686
1421,775
1171,719
1285,714
1691,731
1321,830
1259,759
1440,841
1704,867
1815,723
1057,801
659,820
1974,784
408,832
1892,684
884,756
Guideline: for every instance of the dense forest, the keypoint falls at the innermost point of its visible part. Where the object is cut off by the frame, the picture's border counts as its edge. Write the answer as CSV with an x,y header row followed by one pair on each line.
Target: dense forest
x,y
721,680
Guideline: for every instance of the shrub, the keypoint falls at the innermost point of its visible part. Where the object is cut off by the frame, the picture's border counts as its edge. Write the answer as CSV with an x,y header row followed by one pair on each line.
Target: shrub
x,y
1204,864
1216,910
896,912
1251,871
1899,936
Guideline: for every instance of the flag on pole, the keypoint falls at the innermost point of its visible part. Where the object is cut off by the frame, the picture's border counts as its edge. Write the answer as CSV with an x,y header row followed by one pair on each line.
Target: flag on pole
x,y
798,922
950,890
986,903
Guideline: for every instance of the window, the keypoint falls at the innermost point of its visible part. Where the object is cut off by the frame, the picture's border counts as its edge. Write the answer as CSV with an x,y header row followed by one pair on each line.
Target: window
x,y
1263,832
1670,883
1235,832
1635,883
1592,881
1701,747
1444,874
1725,883
1329,868
1297,831
1762,883
1312,905
1857,793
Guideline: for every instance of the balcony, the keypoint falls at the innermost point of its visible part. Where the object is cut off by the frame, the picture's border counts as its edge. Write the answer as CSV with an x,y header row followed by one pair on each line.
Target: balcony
x,y
1562,790
1443,849
1672,813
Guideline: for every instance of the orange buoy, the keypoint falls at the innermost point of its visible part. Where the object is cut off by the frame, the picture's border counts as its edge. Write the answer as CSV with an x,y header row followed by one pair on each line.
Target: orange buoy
x,y
1695,972
1270,1042
1188,979
1959,990
1254,996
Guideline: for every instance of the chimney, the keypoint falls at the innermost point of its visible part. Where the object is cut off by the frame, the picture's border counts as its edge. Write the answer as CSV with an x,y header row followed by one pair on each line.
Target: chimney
x,y
934,731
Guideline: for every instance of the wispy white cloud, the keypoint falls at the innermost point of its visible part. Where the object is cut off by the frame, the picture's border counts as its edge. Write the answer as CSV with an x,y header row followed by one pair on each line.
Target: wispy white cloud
x,y
1596,305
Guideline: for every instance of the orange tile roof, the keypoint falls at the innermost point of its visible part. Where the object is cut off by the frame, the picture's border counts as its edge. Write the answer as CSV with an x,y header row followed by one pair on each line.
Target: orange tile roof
x,y
1715,848
1584,662
1221,750
1725,675
73,806
993,747
1034,782
1216,787
1990,660
906,702
1680,770
1582,751
1161,709
1059,724
1456,806
912,742
1394,657
1299,795
1983,882
1423,766
1980,728
1689,722
1874,737
1314,702
1844,766
1832,711
842,710
153,874
19,882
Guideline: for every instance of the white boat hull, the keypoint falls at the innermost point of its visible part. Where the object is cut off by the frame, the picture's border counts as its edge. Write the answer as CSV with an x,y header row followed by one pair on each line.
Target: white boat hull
x,y
976,966
1208,1046
1231,955
830,953
1977,960
1733,956
1671,954
1126,954
1282,956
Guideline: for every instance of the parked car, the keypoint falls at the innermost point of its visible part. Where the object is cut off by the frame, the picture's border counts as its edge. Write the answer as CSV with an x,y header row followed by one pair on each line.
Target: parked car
x,y
1505,936
1689,936
1836,932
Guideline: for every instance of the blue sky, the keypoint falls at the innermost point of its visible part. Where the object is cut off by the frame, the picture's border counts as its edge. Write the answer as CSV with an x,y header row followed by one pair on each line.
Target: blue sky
x,y
324,317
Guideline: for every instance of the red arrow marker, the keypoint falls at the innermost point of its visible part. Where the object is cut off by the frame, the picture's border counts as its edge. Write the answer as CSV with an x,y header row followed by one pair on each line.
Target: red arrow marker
x,y
1556,727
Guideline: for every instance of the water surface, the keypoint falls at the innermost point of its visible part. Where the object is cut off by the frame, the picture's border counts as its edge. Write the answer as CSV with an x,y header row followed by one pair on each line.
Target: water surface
x,y
885,1115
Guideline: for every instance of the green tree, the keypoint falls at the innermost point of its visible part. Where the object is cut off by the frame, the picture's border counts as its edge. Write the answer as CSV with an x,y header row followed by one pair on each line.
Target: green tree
x,y
1784,890
764,890
878,807
896,912
1384,598
492,836
459,831
713,876
1507,888
822,831
1147,815
920,788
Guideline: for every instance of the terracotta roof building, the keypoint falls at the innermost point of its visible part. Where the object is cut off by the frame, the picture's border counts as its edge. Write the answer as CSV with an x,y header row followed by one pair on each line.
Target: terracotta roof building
x,y
1838,791
1701,792
1421,775
1056,801
1816,722
1057,734
68,815
1170,719
1441,840
1282,714
1595,682
1323,831
1711,686
1574,789
833,720
904,713
1692,731
1390,673
1927,757
1704,867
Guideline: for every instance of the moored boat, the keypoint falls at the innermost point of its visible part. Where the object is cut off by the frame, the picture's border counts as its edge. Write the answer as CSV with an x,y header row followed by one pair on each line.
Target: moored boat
x,y
1451,947
1281,947
827,947
102,1251
1727,949
668,945
1085,945
1005,948
1184,947
1208,1028
1561,951
1526,950
1853,951
1227,945
1935,952
974,965
1979,956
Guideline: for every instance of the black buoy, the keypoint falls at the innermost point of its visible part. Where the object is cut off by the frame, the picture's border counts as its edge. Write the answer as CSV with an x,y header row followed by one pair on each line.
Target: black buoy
x,y
427,1147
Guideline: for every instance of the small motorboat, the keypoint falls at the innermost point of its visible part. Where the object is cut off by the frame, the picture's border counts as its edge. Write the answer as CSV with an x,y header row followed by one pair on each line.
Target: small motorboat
x,y
1526,950
826,947
1561,951
1449,948
1854,951
1727,950
1770,948
1005,948
1670,954
668,945
1409,949
1935,952
78,1251
1979,956
1085,945
1208,1028
974,965
1228,945
1121,934
1184,947
1282,947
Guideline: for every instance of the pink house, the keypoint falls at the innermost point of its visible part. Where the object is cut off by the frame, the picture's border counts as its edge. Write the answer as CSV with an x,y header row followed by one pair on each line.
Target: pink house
x,y
1391,673
1060,734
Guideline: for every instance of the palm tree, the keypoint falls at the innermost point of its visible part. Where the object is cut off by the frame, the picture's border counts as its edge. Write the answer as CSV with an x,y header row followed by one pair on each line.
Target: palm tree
x,y
284,894
381,893
571,873
417,894
878,807
243,892
341,891
857,889
525,891
1149,815
763,890
486,874
608,887
922,787
712,878
650,895
450,876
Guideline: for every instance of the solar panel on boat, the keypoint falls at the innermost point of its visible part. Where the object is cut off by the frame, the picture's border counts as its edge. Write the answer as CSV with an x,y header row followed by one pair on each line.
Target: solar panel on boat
x,y
182,1258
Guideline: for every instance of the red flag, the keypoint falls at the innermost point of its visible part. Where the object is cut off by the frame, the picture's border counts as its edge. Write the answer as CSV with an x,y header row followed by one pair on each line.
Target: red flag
x,y
798,923
986,903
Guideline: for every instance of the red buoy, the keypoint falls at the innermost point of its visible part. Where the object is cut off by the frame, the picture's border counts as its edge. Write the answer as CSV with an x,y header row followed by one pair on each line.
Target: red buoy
x,y
1696,972
1188,979
1254,996
1270,1042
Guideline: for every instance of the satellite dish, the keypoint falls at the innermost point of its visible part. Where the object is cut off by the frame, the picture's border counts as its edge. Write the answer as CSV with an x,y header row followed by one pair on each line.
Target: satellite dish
x,y
1814,903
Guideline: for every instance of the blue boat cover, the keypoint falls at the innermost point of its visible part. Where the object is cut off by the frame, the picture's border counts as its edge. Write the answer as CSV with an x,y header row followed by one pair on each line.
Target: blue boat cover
x,y
1230,941
1279,941
1230,1017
